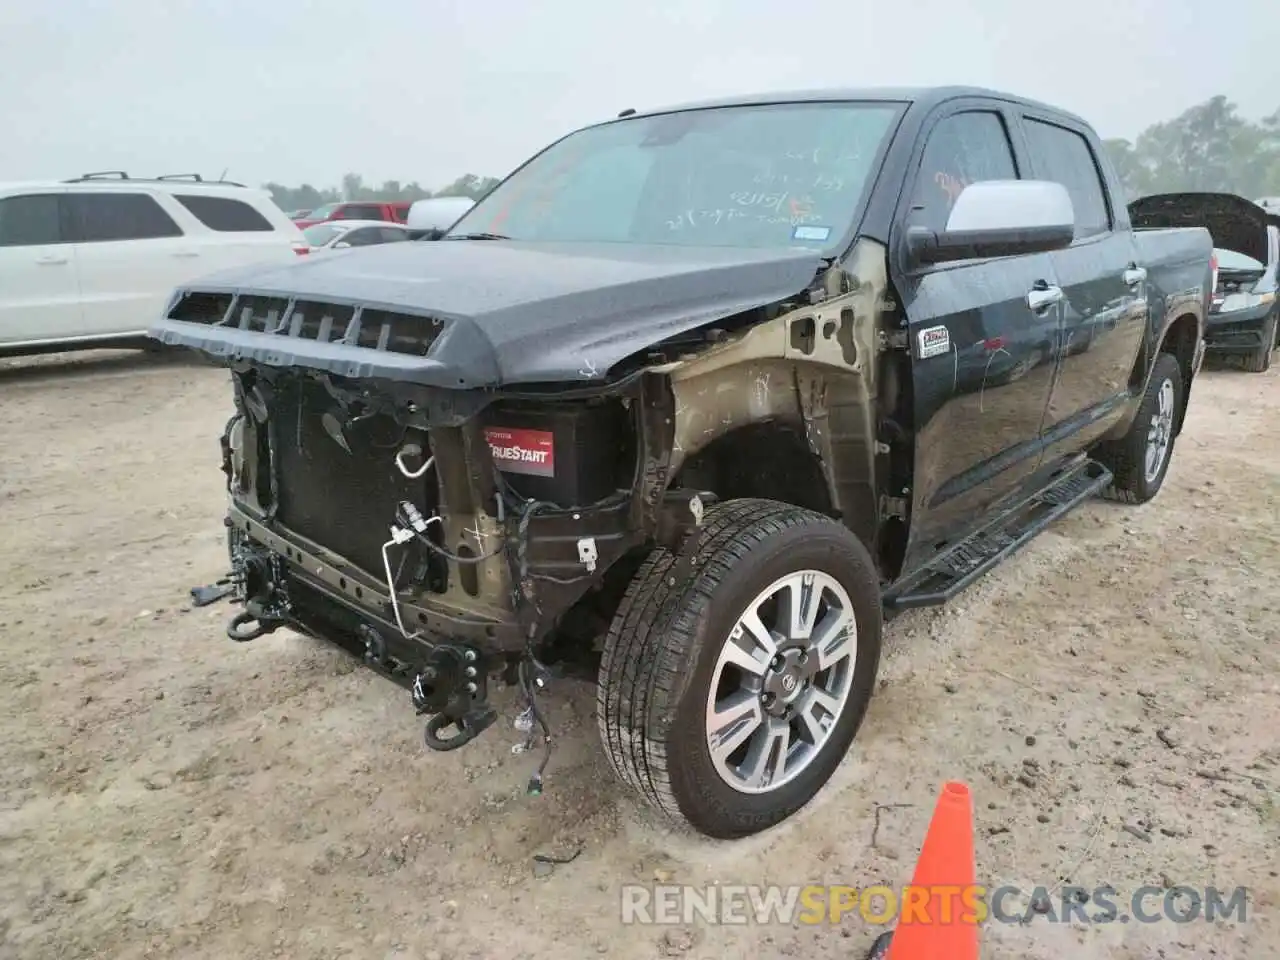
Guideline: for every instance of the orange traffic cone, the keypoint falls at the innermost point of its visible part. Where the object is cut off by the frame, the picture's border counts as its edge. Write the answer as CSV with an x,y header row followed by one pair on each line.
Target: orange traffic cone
x,y
937,916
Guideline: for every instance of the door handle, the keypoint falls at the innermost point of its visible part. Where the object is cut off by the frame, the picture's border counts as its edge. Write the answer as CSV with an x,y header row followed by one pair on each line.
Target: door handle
x,y
1042,296
51,261
1134,275
187,254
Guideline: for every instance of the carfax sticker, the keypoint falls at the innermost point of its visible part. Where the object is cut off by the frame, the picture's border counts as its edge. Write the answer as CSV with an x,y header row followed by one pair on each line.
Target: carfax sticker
x,y
810,233
933,342
532,452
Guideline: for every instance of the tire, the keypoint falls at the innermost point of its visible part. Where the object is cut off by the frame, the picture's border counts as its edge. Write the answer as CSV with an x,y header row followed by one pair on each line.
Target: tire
x,y
663,652
1260,360
1132,482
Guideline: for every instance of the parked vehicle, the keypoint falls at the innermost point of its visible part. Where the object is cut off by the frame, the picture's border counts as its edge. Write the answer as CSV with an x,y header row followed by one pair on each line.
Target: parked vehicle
x,y
342,234
1244,317
707,389
430,219
393,212
92,262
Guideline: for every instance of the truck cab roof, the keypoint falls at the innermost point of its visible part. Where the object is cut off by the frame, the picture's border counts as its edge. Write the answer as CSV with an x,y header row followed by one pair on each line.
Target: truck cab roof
x,y
922,99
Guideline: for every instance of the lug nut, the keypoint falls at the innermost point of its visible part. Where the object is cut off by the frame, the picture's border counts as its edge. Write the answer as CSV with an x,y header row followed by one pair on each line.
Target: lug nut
x,y
471,688
470,655
471,671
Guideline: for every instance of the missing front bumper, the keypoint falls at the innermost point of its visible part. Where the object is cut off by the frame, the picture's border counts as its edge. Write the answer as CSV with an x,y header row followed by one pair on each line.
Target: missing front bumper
x,y
355,591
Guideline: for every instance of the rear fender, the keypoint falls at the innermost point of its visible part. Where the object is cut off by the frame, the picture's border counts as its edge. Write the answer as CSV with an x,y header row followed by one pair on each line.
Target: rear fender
x,y
1181,333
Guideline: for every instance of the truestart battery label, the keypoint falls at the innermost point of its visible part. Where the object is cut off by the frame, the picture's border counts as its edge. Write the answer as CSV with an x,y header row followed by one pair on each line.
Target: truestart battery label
x,y
531,452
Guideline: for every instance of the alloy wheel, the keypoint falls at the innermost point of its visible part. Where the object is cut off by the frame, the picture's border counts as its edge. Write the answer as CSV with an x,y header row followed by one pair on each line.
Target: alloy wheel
x,y
781,681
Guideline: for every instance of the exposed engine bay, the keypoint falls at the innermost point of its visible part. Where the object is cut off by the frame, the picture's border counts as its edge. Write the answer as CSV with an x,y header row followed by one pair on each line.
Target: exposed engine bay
x,y
449,540
449,535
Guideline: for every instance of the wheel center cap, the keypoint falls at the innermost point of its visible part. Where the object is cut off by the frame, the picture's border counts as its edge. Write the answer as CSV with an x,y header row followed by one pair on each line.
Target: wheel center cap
x,y
785,680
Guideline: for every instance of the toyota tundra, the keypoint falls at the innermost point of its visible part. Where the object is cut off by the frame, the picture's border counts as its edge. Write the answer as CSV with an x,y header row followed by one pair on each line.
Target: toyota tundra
x,y
709,390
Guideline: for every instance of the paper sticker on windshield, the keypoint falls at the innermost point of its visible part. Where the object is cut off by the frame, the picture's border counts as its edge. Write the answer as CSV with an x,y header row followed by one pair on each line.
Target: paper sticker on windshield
x,y
810,233
934,341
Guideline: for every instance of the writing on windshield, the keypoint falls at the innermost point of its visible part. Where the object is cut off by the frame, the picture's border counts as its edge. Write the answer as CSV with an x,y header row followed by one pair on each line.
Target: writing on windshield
x,y
751,176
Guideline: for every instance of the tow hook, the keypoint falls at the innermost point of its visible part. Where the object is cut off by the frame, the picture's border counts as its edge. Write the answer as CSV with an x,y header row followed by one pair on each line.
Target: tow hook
x,y
469,726
452,687
246,626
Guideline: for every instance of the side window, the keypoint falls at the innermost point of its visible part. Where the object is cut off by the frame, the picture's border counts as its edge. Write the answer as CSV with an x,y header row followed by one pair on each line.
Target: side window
x,y
103,217
225,215
361,211
1064,156
30,221
963,148
391,236
362,237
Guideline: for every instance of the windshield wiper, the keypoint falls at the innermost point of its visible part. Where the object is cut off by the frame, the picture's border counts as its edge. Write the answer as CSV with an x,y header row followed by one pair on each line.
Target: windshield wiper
x,y
476,236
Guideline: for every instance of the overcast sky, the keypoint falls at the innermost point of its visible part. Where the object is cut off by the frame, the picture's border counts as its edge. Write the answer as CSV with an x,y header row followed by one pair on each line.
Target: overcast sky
x,y
392,89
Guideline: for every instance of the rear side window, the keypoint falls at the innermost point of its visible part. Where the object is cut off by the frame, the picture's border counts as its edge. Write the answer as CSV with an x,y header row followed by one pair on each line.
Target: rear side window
x,y
104,217
226,215
390,235
1064,156
361,211
30,221
963,148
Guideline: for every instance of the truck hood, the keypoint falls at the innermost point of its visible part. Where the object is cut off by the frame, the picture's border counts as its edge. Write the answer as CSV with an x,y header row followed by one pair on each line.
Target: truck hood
x,y
507,312
1234,222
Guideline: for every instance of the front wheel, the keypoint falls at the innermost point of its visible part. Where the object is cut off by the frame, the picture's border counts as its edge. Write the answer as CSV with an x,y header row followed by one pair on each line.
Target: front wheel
x,y
736,674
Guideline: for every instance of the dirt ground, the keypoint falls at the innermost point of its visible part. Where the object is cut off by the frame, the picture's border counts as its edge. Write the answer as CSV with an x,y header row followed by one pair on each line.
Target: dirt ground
x,y
1111,695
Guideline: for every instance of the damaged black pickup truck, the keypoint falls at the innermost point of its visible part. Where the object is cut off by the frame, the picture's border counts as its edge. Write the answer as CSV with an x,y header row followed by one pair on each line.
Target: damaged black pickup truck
x,y
708,390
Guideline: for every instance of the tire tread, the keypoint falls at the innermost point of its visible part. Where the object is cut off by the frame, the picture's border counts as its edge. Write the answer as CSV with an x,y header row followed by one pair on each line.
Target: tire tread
x,y
656,631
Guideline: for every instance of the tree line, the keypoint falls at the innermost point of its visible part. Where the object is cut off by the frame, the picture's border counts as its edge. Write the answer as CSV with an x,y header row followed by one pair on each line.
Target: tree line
x,y
1208,147
307,197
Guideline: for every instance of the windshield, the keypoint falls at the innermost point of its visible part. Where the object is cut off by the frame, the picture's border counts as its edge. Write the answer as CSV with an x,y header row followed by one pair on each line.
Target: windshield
x,y
785,175
322,233
320,213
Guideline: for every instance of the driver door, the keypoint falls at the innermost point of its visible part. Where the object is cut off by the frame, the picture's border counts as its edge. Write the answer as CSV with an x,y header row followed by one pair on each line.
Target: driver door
x,y
982,355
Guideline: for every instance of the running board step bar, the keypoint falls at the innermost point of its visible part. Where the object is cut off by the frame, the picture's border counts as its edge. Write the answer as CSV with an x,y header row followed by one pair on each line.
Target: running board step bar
x,y
951,572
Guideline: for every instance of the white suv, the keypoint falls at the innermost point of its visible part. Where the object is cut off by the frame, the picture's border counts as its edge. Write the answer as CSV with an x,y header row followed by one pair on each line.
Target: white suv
x,y
92,262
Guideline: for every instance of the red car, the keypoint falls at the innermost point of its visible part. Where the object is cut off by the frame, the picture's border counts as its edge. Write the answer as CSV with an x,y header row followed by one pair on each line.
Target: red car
x,y
395,212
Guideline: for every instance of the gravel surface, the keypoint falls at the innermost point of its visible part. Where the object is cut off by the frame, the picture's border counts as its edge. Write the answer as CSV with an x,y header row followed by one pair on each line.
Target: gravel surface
x,y
1110,694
